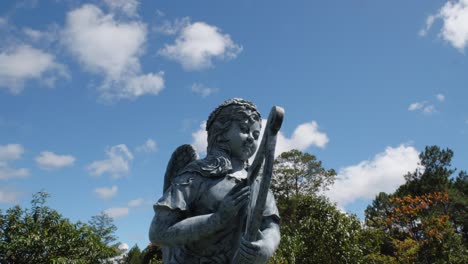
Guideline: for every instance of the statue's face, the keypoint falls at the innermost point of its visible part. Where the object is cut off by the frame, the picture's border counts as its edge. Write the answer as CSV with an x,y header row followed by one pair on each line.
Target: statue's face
x,y
243,138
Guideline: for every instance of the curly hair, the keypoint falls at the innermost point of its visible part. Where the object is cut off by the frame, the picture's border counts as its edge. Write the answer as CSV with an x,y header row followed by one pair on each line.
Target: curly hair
x,y
221,118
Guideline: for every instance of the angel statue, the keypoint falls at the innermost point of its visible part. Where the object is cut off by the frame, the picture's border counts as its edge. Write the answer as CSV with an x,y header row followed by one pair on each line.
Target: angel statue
x,y
217,209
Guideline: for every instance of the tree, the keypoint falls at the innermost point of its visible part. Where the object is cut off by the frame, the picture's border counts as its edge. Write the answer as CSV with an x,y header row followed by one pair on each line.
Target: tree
x,y
103,226
434,176
42,235
425,220
133,256
313,230
297,173
318,233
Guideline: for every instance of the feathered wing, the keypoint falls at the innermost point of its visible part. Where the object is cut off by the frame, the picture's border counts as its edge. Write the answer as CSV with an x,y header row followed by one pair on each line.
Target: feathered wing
x,y
180,158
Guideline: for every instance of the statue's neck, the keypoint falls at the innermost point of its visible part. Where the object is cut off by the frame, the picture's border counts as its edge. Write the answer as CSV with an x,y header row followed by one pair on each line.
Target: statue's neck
x,y
237,164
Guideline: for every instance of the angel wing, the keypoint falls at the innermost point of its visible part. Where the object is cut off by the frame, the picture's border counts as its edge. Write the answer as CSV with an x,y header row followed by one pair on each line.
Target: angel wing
x,y
180,158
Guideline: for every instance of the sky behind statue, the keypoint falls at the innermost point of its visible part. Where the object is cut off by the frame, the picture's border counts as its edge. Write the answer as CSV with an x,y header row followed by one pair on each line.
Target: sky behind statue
x,y
95,95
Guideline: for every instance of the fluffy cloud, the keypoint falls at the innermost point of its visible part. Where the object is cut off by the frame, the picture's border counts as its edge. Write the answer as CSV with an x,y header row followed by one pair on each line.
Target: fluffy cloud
x,y
117,212
454,15
304,136
103,45
198,44
9,196
9,153
136,202
383,173
22,63
149,146
50,161
106,193
117,162
424,106
202,90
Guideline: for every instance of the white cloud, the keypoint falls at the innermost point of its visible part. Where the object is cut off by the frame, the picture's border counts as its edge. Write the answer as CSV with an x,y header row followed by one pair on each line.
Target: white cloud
x,y
454,15
109,47
124,247
116,164
424,106
22,63
383,173
136,202
198,44
429,22
202,90
106,193
9,196
117,212
9,153
200,139
32,33
416,106
149,146
128,7
6,172
50,161
133,87
304,136
440,97
48,36
172,28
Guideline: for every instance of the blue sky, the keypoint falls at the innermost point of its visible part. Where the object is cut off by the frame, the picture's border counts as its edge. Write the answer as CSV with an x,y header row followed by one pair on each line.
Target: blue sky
x,y
95,95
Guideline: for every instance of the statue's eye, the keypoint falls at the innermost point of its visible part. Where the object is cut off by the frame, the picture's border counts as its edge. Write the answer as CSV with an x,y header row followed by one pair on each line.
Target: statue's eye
x,y
256,134
244,129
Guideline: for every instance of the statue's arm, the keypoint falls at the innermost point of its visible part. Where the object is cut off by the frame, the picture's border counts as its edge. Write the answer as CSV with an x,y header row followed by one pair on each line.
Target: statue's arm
x,y
167,228
170,227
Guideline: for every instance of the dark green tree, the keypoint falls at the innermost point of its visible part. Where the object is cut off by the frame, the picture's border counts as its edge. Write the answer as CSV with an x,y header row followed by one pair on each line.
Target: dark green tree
x,y
42,235
133,256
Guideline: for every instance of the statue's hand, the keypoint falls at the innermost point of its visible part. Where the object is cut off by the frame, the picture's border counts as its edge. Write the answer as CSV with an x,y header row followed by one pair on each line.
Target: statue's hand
x,y
236,198
252,252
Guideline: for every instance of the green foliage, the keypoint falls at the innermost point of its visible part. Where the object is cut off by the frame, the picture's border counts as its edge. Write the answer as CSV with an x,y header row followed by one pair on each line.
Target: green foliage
x,y
299,173
103,226
150,255
315,231
134,256
42,235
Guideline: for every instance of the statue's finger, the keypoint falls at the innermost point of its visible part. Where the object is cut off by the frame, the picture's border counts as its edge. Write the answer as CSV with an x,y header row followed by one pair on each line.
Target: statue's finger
x,y
241,192
242,197
236,188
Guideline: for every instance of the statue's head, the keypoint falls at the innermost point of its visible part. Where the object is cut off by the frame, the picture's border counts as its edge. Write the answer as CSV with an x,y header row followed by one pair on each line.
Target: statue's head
x,y
234,128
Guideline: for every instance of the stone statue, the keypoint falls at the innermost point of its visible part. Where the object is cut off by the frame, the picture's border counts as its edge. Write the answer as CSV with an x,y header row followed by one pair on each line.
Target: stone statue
x,y
215,210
